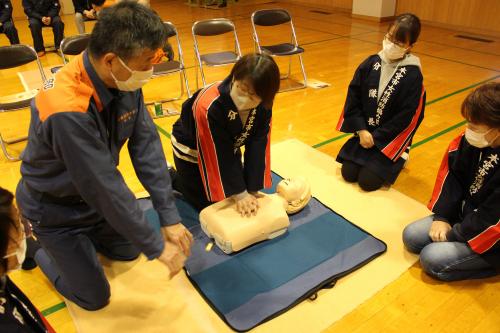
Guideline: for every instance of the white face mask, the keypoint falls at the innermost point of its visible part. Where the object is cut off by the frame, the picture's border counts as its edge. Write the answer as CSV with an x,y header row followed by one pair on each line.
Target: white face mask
x,y
477,139
20,252
242,101
392,51
136,80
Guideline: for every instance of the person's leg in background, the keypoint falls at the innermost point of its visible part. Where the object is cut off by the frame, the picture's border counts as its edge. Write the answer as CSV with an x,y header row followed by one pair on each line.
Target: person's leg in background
x,y
11,32
79,22
36,33
58,30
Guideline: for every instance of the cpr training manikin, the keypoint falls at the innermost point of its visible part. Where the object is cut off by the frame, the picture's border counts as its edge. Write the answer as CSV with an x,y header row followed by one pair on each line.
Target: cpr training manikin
x,y
233,232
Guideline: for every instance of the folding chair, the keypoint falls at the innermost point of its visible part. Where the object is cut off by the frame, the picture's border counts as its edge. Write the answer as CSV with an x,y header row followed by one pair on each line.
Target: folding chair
x,y
214,27
274,17
173,66
72,45
11,57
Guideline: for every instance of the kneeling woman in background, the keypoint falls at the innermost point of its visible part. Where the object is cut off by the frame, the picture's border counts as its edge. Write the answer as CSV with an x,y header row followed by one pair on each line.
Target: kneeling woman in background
x,y
384,107
215,123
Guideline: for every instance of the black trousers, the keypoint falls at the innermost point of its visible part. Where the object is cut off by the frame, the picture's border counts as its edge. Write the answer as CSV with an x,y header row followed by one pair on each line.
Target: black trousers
x,y
36,26
9,29
367,179
188,182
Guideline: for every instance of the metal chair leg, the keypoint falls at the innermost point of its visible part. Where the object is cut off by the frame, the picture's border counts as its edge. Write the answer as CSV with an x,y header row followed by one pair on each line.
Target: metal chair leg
x,y
196,70
3,143
303,75
202,74
186,83
303,70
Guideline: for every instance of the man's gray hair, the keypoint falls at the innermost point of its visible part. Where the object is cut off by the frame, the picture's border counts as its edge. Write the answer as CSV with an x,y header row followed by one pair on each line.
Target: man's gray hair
x,y
126,29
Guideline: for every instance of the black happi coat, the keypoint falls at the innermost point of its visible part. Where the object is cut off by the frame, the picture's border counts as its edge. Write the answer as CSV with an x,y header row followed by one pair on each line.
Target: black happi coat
x,y
392,120
467,195
210,133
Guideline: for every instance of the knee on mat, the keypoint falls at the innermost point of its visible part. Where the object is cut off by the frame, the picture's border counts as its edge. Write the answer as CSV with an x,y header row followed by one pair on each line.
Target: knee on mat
x,y
431,262
95,299
409,234
368,181
124,253
350,172
130,254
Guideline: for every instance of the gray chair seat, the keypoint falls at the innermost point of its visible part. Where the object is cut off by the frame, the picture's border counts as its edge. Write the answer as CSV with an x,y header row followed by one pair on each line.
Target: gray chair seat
x,y
11,57
172,66
15,105
279,17
55,69
166,67
219,58
284,49
17,101
224,56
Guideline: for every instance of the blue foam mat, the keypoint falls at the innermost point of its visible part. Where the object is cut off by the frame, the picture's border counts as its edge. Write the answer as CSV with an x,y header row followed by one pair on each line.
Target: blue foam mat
x,y
254,285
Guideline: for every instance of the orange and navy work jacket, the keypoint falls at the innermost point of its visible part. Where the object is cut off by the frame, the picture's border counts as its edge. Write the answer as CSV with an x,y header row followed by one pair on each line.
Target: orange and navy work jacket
x,y
467,195
210,133
78,127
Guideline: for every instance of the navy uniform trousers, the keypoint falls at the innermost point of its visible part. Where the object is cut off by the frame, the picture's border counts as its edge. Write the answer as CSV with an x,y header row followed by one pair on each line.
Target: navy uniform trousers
x,y
36,26
9,29
78,273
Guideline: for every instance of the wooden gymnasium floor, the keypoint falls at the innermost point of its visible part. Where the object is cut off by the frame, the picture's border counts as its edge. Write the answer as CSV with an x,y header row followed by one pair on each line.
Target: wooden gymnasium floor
x,y
335,45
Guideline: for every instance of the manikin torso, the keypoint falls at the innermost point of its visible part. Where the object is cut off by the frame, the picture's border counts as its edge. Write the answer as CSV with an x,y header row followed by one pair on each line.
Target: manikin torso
x,y
233,232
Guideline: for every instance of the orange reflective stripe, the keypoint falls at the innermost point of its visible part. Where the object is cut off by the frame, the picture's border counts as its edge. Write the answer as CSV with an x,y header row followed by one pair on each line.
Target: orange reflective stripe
x,y
69,91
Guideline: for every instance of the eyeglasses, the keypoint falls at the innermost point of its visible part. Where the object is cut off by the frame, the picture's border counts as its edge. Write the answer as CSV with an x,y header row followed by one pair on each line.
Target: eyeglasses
x,y
391,39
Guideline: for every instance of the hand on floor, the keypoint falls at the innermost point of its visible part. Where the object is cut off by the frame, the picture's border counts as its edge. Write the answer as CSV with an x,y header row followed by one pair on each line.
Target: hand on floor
x,y
172,257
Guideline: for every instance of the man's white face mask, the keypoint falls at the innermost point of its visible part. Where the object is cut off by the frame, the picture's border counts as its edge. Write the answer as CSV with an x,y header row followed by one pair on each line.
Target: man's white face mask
x,y
477,139
136,80
392,51
241,99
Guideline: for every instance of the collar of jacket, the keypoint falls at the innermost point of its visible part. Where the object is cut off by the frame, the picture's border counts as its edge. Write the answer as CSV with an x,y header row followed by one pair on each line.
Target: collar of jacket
x,y
105,94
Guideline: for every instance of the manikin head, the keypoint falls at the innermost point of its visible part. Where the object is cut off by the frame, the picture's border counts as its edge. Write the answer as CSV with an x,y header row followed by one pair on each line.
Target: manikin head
x,y
296,192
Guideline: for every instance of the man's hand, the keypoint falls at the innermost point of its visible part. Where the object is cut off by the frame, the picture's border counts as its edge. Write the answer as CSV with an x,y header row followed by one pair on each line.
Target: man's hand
x,y
247,206
46,20
89,14
180,236
438,231
173,258
365,139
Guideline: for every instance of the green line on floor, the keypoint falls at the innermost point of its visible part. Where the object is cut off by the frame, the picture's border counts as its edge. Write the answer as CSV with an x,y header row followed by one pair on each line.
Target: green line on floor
x,y
426,104
54,308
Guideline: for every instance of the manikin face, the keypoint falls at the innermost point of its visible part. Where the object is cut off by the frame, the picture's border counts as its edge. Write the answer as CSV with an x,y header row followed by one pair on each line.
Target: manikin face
x,y
296,191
